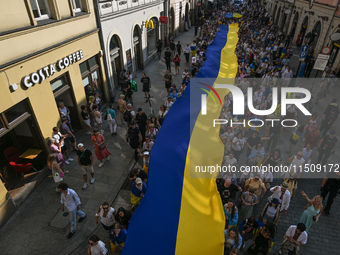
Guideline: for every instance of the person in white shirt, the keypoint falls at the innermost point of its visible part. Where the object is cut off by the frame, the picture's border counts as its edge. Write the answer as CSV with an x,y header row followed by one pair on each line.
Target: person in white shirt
x,y
295,237
96,247
106,214
283,195
71,201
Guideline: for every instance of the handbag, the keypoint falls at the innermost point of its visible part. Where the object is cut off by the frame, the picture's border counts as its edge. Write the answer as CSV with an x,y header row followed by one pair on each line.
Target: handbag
x,y
102,146
57,178
108,116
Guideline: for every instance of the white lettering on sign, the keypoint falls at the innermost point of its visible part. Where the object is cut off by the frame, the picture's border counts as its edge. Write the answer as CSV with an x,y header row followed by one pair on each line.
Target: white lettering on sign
x,y
47,71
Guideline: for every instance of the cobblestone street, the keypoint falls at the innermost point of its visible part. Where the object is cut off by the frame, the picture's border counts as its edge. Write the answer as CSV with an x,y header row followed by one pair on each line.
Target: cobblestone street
x,y
38,226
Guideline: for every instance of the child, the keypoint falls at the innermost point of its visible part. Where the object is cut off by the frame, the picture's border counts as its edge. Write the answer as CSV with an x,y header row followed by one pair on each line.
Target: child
x,y
270,210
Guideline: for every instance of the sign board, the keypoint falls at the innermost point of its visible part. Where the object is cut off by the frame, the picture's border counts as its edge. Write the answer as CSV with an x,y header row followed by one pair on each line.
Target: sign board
x,y
128,58
321,62
199,4
303,52
163,19
326,50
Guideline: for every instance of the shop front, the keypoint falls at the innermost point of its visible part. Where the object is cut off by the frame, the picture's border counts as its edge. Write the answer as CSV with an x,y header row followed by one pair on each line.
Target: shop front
x,y
35,93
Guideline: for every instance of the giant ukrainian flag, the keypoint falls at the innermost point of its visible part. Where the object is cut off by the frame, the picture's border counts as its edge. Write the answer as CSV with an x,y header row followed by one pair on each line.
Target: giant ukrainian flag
x,y
179,214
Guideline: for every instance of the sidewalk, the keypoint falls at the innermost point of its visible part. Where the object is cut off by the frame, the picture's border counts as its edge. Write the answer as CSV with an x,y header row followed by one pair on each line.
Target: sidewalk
x,y
38,226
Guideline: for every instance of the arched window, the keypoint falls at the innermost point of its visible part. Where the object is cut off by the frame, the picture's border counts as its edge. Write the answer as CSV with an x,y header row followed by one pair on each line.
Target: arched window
x,y
152,36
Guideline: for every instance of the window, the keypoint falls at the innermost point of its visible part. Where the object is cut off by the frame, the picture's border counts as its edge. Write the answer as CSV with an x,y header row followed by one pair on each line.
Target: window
x,y
40,9
152,37
92,81
77,6
58,84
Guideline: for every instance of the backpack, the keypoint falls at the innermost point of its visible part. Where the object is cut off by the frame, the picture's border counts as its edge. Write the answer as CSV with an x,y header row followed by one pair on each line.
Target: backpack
x,y
133,138
134,86
127,117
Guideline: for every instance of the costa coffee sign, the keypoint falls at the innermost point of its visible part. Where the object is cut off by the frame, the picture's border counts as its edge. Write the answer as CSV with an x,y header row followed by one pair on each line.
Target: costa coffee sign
x,y
47,71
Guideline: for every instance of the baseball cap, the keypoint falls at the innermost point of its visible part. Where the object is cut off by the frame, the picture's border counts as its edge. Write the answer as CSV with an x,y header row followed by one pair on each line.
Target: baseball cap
x,y
138,180
132,123
146,152
80,145
251,156
275,201
332,132
139,110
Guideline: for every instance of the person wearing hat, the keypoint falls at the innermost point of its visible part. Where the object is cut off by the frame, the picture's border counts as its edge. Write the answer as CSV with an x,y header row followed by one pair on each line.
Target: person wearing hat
x,y
327,146
133,137
282,194
122,107
85,161
138,190
269,212
141,120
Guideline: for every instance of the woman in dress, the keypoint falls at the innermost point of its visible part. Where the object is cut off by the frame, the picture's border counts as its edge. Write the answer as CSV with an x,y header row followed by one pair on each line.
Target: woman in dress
x,y
313,211
122,107
161,114
123,217
106,214
232,240
255,183
65,112
56,170
312,137
249,199
99,147
98,118
56,151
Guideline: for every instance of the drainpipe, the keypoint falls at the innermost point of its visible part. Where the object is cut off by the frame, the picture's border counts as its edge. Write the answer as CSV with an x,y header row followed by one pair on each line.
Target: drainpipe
x,y
99,24
166,26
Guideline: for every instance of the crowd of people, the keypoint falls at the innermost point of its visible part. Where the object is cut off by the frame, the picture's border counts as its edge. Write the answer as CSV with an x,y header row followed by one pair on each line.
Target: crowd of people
x,y
263,52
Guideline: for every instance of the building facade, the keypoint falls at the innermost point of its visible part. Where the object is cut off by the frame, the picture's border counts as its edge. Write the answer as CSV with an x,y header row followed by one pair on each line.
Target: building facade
x,y
127,42
314,20
50,54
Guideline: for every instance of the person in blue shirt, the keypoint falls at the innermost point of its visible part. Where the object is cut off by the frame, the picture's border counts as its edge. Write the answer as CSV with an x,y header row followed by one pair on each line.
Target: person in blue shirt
x,y
138,190
265,58
283,53
231,213
174,95
302,69
118,236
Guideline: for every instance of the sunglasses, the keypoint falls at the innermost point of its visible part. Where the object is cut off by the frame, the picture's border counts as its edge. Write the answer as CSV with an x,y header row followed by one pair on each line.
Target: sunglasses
x,y
139,184
105,208
257,179
91,243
